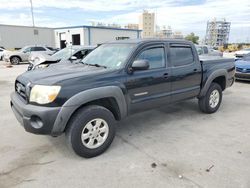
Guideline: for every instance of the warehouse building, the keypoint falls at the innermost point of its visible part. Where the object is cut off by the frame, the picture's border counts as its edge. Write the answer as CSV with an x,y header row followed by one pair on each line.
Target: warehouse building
x,y
14,37
92,35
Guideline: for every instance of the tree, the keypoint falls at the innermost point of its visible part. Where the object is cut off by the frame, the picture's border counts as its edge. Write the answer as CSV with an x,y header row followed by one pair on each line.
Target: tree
x,y
192,37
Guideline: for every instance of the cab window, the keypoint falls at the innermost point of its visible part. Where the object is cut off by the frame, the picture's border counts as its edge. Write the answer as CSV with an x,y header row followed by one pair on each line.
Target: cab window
x,y
181,55
155,56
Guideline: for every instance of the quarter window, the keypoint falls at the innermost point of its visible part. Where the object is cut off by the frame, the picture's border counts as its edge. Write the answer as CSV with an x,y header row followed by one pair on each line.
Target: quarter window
x,y
155,56
180,56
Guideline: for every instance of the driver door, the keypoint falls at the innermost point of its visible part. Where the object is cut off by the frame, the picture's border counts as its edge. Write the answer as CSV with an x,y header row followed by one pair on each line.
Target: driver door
x,y
149,88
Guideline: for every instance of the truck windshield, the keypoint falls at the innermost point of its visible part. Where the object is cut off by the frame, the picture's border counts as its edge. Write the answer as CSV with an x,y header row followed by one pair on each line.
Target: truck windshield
x,y
109,55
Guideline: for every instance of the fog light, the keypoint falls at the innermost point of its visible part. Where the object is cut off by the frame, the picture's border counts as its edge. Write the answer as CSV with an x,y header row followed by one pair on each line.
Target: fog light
x,y
36,122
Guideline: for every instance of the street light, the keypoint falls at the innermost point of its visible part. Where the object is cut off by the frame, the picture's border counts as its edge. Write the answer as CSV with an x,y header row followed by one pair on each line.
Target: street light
x,y
32,15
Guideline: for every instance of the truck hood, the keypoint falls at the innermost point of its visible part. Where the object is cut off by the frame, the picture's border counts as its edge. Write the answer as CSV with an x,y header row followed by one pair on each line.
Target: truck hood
x,y
243,64
55,74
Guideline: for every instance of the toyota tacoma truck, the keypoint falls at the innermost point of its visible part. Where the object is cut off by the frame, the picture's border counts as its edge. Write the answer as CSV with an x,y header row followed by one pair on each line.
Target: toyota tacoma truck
x,y
85,100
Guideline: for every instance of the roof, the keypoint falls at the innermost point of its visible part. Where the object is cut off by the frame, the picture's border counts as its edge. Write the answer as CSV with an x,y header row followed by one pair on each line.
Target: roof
x,y
26,26
98,27
137,41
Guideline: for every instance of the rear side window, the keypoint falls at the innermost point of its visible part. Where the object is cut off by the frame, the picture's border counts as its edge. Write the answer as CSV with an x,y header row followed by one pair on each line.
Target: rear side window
x,y
155,56
38,49
180,56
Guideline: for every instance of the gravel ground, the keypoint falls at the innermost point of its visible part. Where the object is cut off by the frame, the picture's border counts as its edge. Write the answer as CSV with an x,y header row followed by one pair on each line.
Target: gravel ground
x,y
173,146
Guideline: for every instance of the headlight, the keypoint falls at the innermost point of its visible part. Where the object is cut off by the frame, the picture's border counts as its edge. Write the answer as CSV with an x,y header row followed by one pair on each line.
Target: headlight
x,y
44,94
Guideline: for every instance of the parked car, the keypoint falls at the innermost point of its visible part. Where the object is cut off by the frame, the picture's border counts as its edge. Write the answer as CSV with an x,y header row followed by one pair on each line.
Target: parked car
x,y
22,55
84,100
241,53
207,50
72,53
1,53
243,68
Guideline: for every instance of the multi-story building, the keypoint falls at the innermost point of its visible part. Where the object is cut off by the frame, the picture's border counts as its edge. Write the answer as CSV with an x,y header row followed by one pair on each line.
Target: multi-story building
x,y
132,26
217,33
147,24
164,32
178,35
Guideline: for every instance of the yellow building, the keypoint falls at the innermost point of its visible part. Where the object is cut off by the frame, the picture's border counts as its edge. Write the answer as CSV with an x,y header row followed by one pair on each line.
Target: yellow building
x,y
147,24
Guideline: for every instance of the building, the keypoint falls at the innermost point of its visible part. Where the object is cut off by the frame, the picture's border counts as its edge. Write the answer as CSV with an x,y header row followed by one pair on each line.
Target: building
x,y
147,24
178,35
217,33
14,37
164,32
132,26
92,35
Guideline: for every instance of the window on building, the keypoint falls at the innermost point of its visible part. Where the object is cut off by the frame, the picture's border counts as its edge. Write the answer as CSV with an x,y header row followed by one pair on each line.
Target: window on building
x,y
155,56
181,55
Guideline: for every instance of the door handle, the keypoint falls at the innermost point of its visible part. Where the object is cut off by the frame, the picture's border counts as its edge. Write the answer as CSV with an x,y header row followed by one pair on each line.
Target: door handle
x,y
165,75
195,70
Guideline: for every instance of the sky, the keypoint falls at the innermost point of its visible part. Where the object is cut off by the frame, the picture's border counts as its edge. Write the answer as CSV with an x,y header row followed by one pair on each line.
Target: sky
x,y
182,15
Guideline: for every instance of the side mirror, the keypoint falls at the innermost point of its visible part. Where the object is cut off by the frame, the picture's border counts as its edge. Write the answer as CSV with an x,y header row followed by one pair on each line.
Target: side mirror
x,y
140,65
73,58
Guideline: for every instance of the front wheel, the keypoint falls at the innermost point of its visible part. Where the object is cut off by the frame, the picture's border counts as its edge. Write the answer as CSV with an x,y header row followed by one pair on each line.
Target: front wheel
x,y
91,131
15,60
210,103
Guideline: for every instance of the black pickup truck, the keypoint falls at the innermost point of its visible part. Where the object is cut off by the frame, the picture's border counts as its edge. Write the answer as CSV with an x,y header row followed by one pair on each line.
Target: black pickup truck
x,y
86,99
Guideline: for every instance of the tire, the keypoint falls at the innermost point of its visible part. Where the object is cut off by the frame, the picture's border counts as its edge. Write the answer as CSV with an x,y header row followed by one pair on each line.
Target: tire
x,y
15,60
83,135
209,104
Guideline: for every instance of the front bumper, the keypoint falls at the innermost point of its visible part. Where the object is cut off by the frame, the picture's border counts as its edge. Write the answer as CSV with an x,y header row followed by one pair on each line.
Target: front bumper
x,y
6,59
34,119
242,76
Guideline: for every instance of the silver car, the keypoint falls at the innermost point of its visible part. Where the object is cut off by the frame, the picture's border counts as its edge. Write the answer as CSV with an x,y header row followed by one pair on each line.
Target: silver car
x,y
208,51
73,53
22,55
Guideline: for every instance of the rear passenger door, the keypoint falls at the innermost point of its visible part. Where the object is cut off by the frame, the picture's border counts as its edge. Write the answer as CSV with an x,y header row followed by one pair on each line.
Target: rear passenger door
x,y
185,72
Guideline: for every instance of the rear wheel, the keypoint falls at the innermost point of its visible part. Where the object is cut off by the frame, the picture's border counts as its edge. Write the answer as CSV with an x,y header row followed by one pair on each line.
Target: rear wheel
x,y
15,60
210,103
91,131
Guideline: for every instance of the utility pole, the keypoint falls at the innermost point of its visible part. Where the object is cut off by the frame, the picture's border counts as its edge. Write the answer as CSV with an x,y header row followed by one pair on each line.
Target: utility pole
x,y
32,15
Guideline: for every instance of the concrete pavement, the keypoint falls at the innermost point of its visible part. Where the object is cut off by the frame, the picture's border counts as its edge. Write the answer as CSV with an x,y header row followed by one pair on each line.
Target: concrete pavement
x,y
173,146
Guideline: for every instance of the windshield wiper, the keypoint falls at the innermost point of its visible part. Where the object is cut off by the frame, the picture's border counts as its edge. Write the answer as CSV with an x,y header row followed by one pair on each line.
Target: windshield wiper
x,y
96,65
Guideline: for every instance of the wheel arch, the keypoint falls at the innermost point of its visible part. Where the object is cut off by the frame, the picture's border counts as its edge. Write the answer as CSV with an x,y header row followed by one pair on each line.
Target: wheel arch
x,y
219,77
110,97
16,56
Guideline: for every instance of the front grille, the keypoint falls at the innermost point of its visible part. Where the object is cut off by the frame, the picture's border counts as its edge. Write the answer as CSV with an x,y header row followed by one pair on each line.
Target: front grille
x,y
21,90
243,70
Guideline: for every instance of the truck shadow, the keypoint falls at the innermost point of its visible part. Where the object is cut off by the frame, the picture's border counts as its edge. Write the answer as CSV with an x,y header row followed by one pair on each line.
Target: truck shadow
x,y
140,125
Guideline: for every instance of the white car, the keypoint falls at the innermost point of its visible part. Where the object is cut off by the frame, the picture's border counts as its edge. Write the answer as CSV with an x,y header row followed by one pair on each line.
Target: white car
x,y
1,53
241,53
22,55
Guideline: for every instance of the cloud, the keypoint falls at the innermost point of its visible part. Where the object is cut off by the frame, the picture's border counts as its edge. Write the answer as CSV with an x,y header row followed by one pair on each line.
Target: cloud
x,y
182,15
